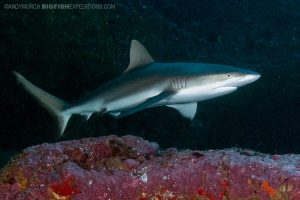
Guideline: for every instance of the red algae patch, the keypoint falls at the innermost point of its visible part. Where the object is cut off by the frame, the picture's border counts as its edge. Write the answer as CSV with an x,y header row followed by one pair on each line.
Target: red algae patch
x,y
64,188
128,167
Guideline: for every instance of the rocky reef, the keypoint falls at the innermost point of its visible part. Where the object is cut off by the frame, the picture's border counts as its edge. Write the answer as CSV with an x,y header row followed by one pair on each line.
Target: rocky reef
x,y
129,167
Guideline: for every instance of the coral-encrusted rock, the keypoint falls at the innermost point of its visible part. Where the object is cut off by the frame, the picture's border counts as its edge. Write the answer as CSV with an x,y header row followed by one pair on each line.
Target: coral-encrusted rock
x,y
132,168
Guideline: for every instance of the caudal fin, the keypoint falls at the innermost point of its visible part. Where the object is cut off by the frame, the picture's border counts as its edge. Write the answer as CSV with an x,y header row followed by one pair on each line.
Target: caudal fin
x,y
54,105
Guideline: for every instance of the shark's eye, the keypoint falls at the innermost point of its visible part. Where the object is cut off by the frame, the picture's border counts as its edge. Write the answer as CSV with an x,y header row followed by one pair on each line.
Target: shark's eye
x,y
228,75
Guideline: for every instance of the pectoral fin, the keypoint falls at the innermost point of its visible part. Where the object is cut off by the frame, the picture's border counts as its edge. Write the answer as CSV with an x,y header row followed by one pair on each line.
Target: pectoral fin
x,y
150,101
187,110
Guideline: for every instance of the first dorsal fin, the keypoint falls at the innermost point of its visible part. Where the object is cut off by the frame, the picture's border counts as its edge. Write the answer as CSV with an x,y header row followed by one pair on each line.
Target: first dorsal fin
x,y
139,55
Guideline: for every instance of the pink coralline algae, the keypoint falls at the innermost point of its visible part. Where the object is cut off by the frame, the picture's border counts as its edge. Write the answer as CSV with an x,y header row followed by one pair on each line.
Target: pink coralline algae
x,y
128,167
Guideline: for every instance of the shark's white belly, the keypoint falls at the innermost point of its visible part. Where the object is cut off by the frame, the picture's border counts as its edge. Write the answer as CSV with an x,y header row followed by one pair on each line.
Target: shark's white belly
x,y
129,101
196,94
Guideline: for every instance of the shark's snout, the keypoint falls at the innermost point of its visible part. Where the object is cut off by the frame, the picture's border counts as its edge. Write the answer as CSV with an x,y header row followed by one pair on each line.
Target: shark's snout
x,y
248,78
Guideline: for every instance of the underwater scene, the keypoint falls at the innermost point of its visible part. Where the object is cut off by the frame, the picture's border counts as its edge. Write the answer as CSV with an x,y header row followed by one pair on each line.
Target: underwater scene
x,y
150,100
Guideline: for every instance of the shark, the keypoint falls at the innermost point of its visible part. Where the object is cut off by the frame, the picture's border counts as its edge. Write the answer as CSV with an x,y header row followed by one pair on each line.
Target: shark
x,y
147,83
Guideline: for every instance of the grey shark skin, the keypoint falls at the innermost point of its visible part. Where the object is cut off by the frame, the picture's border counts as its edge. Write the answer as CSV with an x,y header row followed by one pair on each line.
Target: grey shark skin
x,y
147,83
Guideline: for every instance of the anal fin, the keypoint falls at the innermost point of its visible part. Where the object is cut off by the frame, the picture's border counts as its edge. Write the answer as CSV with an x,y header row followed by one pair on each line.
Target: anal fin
x,y
115,114
87,116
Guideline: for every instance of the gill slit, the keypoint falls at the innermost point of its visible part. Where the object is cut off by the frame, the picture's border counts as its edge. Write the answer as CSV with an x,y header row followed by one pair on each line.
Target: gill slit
x,y
179,82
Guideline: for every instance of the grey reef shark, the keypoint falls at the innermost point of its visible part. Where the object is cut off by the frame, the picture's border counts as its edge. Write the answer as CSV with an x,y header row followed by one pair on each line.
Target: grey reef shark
x,y
147,83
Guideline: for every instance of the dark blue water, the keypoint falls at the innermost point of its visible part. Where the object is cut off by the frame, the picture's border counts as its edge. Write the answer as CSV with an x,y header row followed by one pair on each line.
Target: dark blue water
x,y
71,52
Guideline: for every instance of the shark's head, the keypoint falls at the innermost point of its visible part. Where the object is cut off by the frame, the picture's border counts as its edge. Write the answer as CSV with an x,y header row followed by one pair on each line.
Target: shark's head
x,y
237,77
206,81
222,76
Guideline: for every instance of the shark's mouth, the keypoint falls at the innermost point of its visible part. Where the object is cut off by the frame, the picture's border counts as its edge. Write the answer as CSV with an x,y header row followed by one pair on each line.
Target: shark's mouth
x,y
226,89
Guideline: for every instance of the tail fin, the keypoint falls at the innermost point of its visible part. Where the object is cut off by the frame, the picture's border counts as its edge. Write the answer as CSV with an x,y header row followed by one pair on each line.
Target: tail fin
x,y
54,105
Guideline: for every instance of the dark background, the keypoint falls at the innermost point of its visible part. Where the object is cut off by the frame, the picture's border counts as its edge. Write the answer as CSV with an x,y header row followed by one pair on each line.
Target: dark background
x,y
71,52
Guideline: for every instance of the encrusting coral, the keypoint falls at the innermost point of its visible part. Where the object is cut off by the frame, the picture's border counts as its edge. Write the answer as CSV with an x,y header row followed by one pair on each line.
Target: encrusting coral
x,y
130,168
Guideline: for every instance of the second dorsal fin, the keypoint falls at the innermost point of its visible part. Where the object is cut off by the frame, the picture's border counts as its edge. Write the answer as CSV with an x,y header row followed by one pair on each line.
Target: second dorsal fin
x,y
139,56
